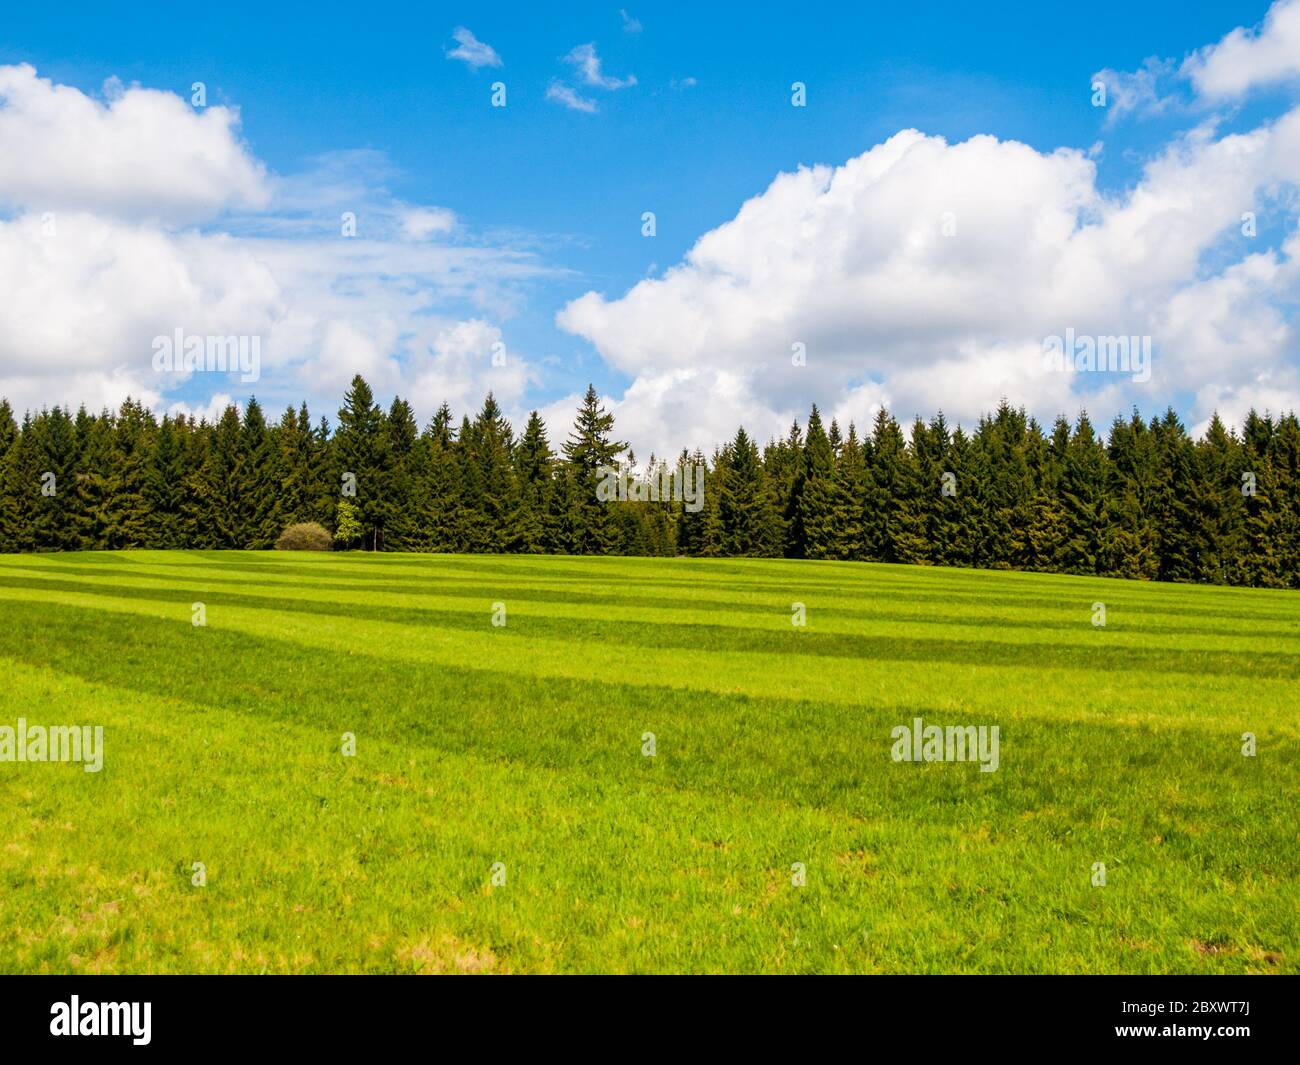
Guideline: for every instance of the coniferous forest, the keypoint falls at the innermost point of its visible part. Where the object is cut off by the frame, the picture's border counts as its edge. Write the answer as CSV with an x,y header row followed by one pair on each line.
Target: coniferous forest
x,y
1145,501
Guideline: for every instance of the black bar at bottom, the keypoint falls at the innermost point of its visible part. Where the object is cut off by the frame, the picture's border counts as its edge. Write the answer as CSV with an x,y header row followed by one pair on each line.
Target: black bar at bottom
x,y
1237,1016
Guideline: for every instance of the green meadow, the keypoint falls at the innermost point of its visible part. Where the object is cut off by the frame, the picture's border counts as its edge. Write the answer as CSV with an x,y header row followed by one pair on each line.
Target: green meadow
x,y
503,811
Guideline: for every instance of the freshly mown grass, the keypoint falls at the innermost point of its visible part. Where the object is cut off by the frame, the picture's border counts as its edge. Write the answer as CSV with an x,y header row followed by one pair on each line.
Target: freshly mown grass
x,y
522,745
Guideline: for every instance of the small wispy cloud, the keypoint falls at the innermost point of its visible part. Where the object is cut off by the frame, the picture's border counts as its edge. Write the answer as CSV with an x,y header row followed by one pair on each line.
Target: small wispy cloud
x,y
469,49
630,24
1249,58
421,223
562,94
1139,92
587,62
683,83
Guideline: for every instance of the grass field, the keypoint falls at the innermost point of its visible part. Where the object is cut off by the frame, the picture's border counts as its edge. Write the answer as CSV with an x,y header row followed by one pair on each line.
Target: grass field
x,y
523,745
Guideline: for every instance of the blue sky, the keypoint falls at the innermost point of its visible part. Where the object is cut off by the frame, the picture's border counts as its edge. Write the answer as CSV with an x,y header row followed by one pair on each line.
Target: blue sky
x,y
708,124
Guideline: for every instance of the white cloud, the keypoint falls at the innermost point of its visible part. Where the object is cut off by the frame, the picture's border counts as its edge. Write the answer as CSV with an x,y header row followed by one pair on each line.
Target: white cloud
x,y
141,155
470,50
587,63
853,263
1138,92
663,411
385,309
562,94
421,223
1248,58
630,24
1243,60
211,411
84,301
457,366
88,287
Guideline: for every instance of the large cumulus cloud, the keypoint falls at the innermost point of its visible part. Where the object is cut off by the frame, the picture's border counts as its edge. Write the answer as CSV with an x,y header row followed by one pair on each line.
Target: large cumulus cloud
x,y
923,274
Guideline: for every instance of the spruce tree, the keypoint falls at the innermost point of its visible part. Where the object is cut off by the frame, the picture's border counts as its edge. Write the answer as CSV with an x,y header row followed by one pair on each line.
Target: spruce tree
x,y
940,489
293,467
535,529
897,521
53,516
848,491
1262,543
590,451
1083,498
164,486
94,482
21,487
439,504
812,533
747,518
258,472
358,458
1132,490
488,445
1220,505
397,481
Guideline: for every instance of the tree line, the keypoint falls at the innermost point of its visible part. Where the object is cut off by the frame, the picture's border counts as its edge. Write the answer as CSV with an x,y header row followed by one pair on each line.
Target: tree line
x,y
1145,501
